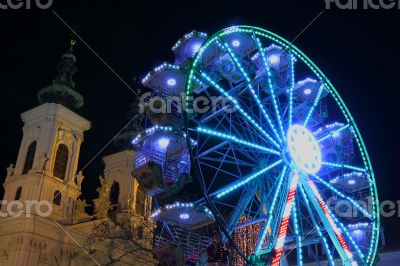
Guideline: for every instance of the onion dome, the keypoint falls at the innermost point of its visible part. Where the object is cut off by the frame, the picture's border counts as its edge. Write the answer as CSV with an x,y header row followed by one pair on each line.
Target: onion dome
x,y
62,91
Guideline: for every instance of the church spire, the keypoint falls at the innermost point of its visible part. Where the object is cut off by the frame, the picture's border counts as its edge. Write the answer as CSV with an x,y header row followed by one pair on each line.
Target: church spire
x,y
62,91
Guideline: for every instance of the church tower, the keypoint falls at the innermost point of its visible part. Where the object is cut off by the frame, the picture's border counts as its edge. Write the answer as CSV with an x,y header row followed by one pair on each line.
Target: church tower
x,y
46,167
41,191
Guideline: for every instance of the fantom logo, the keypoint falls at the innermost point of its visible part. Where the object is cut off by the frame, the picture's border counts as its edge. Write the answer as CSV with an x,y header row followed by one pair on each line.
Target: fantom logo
x,y
25,4
362,4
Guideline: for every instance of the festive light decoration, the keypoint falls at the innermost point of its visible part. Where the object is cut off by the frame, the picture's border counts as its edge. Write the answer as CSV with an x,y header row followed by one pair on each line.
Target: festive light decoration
x,y
163,143
235,185
171,82
298,235
267,112
271,87
240,109
332,223
186,37
340,194
321,88
235,43
245,238
285,220
332,134
150,131
304,149
159,69
235,139
317,227
344,166
292,85
184,216
253,92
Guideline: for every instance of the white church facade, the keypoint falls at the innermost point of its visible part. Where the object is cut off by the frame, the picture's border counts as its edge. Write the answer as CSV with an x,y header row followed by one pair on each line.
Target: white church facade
x,y
43,220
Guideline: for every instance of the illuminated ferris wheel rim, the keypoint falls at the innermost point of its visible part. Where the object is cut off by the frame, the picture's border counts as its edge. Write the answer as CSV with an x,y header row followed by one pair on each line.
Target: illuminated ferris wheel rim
x,y
285,149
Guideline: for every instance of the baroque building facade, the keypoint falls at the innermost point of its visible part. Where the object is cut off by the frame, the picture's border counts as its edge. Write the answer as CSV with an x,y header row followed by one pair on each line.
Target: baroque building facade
x,y
42,219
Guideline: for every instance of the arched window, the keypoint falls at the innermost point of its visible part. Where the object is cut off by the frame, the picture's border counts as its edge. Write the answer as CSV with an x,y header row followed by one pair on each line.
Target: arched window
x,y
140,232
140,201
57,198
18,193
60,165
30,155
114,193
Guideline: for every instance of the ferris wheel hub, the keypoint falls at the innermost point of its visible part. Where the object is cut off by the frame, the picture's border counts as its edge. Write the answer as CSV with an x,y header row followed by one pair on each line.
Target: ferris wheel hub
x,y
304,149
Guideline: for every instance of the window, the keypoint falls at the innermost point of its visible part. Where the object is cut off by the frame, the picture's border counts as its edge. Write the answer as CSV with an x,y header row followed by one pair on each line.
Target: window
x,y
57,198
114,193
140,232
18,193
60,165
140,201
30,155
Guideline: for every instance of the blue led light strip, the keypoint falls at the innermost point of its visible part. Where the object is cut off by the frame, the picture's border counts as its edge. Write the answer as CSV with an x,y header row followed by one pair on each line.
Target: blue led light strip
x,y
270,216
345,166
359,207
347,234
321,89
235,139
253,92
271,87
292,80
297,233
237,184
325,243
333,133
240,109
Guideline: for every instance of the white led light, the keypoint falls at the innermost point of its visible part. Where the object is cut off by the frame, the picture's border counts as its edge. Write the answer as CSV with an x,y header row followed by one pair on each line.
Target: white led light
x,y
307,91
184,216
196,47
351,182
304,149
163,142
171,82
273,59
236,43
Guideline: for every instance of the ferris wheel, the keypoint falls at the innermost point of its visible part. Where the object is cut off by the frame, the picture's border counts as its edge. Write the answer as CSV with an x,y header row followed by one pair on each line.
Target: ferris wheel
x,y
280,158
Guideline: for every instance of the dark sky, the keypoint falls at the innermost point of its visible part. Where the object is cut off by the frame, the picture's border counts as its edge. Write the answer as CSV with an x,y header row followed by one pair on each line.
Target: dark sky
x,y
356,49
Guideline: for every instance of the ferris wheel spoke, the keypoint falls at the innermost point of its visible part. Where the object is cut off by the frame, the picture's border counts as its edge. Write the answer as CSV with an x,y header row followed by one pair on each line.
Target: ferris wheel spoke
x,y
285,216
316,226
333,230
340,194
271,209
271,87
334,133
252,90
244,180
240,109
345,166
298,233
291,89
348,236
234,139
315,103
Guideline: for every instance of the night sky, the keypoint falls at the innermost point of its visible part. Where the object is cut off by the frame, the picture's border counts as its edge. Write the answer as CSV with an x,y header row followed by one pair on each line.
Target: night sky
x,y
356,49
